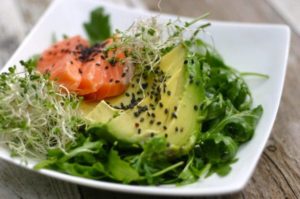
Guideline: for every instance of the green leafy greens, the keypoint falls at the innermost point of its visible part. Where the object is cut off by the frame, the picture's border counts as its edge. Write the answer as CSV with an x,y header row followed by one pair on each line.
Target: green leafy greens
x,y
227,118
98,28
37,118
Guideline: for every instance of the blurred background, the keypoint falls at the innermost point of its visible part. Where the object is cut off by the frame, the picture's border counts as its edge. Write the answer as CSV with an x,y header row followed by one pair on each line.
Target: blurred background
x,y
278,171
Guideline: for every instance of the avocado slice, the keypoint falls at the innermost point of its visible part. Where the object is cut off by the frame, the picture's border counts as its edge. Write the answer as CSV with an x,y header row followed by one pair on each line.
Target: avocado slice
x,y
102,113
172,113
132,96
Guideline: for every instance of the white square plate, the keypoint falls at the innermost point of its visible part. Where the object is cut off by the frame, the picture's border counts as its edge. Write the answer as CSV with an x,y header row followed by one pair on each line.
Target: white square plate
x,y
248,47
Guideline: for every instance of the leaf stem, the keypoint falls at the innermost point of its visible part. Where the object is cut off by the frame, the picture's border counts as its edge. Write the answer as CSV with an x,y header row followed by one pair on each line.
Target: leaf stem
x,y
265,76
197,19
167,169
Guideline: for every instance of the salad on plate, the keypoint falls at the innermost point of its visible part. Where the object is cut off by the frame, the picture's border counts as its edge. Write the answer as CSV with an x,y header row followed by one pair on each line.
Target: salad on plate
x,y
154,104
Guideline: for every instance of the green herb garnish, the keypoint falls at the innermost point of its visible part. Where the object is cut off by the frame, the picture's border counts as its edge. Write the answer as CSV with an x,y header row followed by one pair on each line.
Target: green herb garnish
x,y
98,28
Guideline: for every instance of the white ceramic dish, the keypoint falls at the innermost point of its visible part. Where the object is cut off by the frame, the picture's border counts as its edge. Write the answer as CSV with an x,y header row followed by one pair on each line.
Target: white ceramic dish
x,y
248,47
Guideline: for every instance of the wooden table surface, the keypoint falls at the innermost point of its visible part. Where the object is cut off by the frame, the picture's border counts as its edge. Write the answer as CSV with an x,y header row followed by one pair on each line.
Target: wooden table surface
x,y
278,172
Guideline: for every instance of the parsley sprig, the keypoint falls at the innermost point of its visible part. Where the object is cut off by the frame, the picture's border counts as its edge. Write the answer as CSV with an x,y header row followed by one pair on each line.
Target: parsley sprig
x,y
98,28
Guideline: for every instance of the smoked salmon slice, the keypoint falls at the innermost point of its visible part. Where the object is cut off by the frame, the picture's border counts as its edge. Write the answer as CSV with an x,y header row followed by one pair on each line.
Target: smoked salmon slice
x,y
92,72
93,75
117,77
61,62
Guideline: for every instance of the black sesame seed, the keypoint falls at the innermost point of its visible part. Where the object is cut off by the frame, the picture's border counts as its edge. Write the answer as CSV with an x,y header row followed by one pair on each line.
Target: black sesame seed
x,y
151,122
71,62
175,108
144,86
158,123
80,71
169,93
97,64
176,129
106,67
142,119
195,107
181,129
111,80
166,135
161,105
117,81
139,131
153,115
164,127
166,111
152,134
127,94
136,125
92,59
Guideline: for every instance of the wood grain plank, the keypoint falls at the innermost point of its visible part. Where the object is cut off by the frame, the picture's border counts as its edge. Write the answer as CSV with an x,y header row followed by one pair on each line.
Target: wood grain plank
x,y
278,172
16,182
11,28
289,10
31,10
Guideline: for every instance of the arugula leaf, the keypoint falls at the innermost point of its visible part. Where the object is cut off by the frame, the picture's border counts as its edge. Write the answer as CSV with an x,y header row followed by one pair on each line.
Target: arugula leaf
x,y
194,169
155,150
95,171
87,147
223,170
98,28
218,148
240,126
120,169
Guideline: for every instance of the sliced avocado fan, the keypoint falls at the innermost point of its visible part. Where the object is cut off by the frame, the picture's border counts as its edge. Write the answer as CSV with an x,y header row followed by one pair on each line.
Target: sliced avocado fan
x,y
172,111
